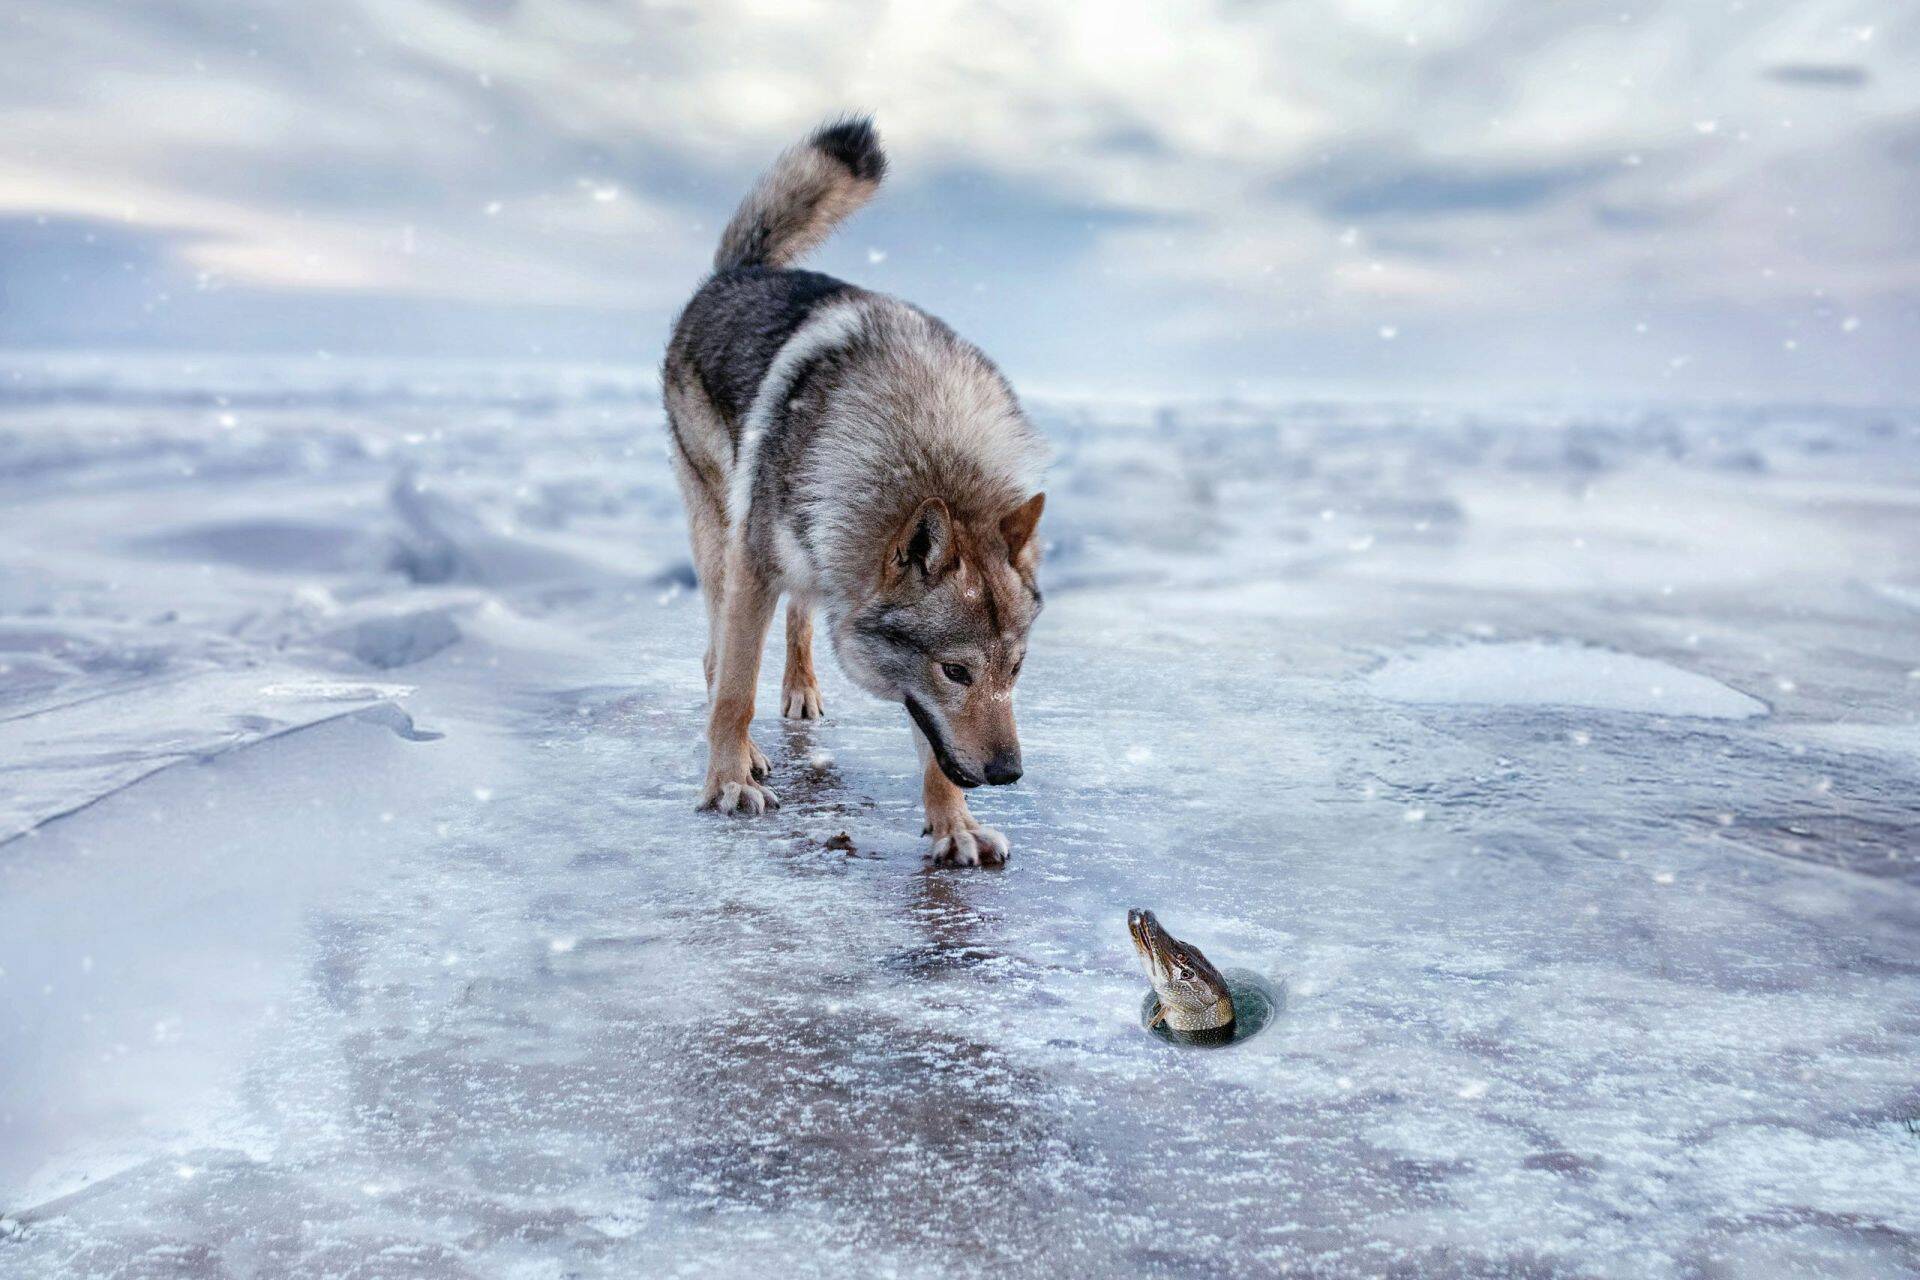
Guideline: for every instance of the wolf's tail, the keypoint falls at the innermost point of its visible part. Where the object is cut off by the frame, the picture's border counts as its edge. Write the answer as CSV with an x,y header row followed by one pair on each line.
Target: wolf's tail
x,y
803,196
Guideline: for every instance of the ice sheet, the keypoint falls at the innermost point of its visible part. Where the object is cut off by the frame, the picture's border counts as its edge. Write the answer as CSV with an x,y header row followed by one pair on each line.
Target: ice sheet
x,y
1581,980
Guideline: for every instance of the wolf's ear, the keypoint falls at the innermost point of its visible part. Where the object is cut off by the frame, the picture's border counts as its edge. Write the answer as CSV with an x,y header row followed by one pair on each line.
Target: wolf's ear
x,y
1017,528
926,539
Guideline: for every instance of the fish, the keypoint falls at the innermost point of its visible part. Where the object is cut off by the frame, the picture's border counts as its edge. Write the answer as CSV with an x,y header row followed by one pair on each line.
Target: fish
x,y
1194,996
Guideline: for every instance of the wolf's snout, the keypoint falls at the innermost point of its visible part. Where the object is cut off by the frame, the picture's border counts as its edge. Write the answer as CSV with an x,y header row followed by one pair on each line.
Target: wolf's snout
x,y
1003,768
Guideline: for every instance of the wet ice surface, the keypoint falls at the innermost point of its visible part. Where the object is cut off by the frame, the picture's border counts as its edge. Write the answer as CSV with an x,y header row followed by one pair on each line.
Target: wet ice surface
x,y
381,936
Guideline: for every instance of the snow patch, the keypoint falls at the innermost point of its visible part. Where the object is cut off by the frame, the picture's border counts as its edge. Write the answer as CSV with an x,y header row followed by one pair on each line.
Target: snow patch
x,y
332,690
1537,673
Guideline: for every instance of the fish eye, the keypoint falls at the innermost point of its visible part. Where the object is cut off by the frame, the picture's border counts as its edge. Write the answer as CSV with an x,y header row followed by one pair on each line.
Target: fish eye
x,y
956,673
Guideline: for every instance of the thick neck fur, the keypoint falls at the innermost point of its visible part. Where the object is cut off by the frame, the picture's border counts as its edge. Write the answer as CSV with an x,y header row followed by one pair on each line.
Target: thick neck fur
x,y
921,415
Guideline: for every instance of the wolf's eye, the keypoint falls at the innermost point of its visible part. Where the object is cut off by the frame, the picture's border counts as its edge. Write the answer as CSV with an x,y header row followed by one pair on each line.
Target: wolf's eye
x,y
956,673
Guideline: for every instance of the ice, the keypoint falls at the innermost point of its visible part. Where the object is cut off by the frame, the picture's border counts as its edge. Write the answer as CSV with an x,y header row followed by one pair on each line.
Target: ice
x,y
386,637
1534,674
380,935
58,758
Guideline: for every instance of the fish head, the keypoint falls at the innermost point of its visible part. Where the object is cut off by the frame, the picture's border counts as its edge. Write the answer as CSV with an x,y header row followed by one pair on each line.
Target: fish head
x,y
1183,978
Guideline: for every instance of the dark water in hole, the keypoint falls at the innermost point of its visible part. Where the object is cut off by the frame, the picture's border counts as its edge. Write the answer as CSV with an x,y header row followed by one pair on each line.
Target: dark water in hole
x,y
1255,1002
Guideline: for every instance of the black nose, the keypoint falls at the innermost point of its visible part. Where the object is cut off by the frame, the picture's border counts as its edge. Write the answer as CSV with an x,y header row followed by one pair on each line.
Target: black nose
x,y
1004,768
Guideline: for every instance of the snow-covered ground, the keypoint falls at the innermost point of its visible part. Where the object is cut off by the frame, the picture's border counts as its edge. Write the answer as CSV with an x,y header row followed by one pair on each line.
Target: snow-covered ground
x,y
355,918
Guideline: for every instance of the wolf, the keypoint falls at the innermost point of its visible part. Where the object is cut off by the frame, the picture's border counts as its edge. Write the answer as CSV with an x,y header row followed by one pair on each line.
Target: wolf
x,y
853,453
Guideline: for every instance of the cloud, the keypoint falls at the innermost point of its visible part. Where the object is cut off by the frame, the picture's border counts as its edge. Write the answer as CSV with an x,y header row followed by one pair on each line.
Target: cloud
x,y
1093,192
83,282
1367,187
1819,75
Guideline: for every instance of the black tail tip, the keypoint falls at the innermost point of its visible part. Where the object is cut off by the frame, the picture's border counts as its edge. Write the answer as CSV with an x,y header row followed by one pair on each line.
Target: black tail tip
x,y
855,143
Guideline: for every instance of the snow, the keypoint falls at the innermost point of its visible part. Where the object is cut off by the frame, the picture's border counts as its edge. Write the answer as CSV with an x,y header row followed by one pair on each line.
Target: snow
x,y
1536,674
358,920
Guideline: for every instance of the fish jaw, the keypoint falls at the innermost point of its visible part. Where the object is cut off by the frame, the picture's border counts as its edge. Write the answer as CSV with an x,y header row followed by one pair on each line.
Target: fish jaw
x,y
1206,1018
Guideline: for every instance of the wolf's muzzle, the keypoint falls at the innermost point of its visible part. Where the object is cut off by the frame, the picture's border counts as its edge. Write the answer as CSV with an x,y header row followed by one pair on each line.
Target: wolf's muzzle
x,y
958,774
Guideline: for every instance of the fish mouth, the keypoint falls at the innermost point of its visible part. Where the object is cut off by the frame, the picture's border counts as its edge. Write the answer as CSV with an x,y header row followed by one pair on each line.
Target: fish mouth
x,y
1151,941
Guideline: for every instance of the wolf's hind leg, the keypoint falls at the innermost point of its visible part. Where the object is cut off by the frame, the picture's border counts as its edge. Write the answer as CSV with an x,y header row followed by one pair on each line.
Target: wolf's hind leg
x,y
707,530
695,426
958,840
734,765
799,686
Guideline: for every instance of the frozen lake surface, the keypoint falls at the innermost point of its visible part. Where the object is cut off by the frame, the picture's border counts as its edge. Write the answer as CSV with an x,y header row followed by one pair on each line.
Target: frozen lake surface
x,y
1564,766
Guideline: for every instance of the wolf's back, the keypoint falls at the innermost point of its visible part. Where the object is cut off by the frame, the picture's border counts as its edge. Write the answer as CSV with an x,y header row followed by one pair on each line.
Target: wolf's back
x,y
798,202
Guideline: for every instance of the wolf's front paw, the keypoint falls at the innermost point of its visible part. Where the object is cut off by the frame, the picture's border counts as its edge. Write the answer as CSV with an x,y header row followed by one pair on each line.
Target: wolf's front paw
x,y
959,841
733,785
800,701
735,795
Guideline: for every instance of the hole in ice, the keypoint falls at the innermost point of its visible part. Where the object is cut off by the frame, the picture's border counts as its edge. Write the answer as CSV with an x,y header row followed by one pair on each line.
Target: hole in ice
x,y
1255,1002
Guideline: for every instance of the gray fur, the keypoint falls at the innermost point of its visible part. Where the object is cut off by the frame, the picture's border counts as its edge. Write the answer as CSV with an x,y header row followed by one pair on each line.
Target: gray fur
x,y
737,322
803,196
812,421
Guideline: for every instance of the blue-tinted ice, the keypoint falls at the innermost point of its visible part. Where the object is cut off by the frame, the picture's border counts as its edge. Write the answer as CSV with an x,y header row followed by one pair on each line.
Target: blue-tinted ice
x,y
1563,764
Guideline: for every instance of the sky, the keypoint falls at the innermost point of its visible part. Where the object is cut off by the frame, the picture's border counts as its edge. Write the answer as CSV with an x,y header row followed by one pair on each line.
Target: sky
x,y
1645,198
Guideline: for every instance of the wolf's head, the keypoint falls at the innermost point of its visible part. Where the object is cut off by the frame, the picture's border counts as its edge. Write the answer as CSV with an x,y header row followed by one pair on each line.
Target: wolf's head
x,y
946,631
